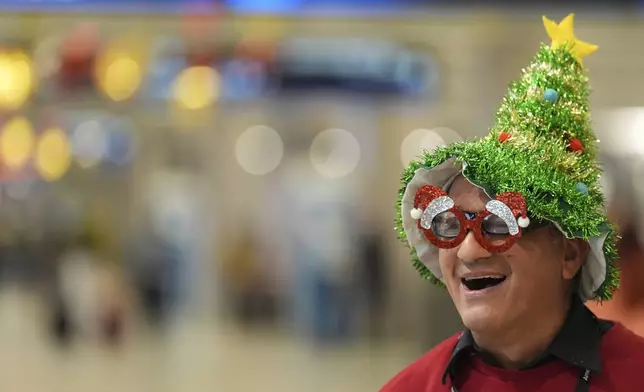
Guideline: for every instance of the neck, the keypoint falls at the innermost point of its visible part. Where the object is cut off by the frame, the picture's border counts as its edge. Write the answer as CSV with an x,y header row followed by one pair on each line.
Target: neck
x,y
516,347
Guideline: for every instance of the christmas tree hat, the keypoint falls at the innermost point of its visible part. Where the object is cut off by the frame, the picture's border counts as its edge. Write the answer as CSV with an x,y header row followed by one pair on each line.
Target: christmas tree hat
x,y
537,164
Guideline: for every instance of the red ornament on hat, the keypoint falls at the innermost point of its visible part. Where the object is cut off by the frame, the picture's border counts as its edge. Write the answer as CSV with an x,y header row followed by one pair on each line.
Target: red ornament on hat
x,y
575,145
504,137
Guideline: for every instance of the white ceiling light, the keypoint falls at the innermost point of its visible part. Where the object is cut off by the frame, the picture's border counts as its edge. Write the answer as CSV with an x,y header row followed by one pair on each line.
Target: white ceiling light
x,y
259,150
335,153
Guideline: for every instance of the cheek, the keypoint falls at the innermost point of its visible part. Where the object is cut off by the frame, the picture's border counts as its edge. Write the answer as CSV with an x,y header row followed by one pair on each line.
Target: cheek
x,y
533,266
447,260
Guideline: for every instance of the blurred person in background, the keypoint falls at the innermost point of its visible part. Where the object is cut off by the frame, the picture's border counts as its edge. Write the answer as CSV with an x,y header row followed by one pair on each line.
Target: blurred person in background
x,y
76,273
324,302
113,298
246,284
523,241
372,274
627,304
59,324
90,298
153,262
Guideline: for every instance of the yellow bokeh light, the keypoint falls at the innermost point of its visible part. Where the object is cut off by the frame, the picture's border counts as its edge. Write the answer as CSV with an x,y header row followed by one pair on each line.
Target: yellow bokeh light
x,y
16,142
53,154
119,68
121,79
196,87
16,79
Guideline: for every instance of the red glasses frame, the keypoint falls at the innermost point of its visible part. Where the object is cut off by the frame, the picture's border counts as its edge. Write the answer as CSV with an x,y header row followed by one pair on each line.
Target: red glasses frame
x,y
476,227
508,206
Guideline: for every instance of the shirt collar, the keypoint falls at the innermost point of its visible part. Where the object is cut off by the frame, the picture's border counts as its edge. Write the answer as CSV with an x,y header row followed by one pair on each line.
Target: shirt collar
x,y
577,343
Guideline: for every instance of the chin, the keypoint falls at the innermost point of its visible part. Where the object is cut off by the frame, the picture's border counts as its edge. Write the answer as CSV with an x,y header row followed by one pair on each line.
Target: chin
x,y
480,317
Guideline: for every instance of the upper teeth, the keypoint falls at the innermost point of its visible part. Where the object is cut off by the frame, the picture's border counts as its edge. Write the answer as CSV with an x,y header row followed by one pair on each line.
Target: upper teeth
x,y
485,277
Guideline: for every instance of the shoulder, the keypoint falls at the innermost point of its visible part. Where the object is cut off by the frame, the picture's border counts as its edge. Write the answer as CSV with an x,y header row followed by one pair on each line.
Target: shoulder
x,y
426,370
622,348
622,360
621,339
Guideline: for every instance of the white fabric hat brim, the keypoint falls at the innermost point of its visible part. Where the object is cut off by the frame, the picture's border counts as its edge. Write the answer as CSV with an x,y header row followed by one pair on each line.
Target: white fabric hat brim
x,y
593,271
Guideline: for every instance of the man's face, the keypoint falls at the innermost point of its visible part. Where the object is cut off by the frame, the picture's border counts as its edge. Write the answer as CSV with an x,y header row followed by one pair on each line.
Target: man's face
x,y
534,274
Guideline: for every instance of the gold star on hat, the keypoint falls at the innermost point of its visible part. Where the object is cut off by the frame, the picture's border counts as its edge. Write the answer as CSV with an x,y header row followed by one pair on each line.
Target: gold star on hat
x,y
562,34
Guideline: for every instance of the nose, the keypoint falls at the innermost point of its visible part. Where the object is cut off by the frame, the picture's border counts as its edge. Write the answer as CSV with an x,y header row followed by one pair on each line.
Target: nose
x,y
470,250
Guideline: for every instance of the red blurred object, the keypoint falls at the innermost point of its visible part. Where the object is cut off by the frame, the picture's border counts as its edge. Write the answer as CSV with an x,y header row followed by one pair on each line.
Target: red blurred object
x,y
113,327
78,55
201,57
200,26
201,20
263,53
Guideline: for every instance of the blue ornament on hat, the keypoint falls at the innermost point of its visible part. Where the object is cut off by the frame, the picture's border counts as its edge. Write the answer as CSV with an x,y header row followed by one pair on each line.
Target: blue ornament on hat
x,y
550,95
582,188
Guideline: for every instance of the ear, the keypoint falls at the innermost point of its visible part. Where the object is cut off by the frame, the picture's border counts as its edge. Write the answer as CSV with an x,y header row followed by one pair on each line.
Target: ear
x,y
575,253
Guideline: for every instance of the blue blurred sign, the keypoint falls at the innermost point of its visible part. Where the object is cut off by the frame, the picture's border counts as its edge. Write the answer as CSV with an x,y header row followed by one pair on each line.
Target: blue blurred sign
x,y
350,65
338,6
272,6
242,80
276,6
355,65
242,6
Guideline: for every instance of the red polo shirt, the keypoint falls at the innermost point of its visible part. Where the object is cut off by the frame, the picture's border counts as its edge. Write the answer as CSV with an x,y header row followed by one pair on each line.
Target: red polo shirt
x,y
613,355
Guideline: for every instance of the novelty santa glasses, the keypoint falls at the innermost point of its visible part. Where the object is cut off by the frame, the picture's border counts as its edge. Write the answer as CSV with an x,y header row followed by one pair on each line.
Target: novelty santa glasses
x,y
445,226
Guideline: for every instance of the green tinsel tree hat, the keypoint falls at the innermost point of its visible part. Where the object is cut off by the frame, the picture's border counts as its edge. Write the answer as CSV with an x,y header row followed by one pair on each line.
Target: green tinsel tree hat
x,y
538,164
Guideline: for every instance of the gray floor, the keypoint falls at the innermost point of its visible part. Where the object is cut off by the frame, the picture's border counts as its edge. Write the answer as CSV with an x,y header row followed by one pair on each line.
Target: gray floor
x,y
195,356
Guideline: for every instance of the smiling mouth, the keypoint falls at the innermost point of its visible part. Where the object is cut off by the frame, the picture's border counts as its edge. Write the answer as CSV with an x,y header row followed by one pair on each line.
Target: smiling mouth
x,y
483,282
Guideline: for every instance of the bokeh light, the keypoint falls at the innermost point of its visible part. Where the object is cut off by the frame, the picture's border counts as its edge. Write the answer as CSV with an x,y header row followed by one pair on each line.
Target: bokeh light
x,y
448,134
16,79
89,143
53,154
259,150
18,190
335,153
120,140
196,87
119,68
425,139
122,78
621,131
16,142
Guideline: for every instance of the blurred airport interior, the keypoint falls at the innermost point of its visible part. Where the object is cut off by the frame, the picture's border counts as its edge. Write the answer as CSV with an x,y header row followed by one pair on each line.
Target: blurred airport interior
x,y
199,195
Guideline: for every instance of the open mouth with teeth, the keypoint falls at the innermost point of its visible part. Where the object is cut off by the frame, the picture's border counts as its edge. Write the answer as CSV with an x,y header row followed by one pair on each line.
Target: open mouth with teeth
x,y
482,282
